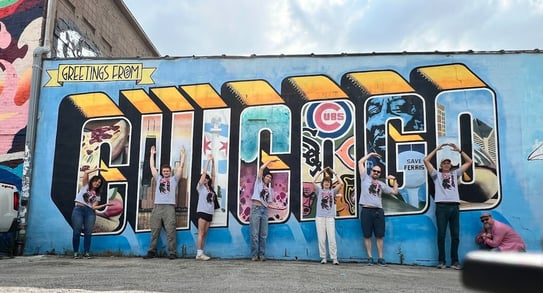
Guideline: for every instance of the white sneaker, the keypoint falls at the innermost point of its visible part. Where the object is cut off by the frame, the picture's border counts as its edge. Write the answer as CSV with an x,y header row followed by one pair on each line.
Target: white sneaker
x,y
335,262
202,257
323,261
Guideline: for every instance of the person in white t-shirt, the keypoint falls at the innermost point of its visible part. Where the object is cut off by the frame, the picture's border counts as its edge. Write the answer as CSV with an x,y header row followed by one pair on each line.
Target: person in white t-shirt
x,y
373,214
206,207
163,213
325,221
258,220
87,201
447,201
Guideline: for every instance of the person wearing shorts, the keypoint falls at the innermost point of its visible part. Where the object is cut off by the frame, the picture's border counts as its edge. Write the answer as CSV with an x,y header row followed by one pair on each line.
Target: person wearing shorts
x,y
205,209
372,213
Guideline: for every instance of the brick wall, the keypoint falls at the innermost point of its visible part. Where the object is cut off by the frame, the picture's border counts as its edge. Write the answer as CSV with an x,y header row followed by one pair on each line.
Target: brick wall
x,y
104,27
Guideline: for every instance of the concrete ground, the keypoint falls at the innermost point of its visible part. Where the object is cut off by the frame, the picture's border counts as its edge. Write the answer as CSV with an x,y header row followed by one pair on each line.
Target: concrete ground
x,y
53,273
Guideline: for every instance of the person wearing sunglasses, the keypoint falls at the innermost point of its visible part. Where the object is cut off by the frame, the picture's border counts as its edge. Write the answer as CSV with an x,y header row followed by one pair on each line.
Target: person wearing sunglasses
x,y
447,201
372,213
497,236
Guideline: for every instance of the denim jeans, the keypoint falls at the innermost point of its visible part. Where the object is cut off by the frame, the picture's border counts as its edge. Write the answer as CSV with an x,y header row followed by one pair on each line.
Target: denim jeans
x,y
448,215
259,230
83,219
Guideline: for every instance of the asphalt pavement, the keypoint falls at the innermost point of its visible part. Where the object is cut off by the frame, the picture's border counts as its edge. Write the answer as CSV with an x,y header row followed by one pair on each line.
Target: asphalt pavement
x,y
59,273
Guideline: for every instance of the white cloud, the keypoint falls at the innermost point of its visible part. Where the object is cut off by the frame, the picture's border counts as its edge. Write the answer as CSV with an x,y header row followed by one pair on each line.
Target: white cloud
x,y
244,27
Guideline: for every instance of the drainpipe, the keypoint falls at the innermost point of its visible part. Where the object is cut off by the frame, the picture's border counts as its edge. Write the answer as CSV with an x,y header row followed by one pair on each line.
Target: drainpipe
x,y
50,23
29,144
33,100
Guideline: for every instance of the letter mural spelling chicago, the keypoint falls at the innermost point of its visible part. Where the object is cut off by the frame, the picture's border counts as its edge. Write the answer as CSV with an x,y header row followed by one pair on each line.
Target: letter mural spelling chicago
x,y
110,114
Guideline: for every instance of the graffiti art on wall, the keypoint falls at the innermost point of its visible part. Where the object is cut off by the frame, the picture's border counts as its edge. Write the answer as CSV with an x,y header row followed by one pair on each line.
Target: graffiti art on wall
x,y
20,27
465,114
114,133
71,43
305,121
264,134
216,142
328,129
327,133
151,136
409,110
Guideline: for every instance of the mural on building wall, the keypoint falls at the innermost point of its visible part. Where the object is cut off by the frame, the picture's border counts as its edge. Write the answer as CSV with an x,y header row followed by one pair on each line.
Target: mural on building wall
x,y
20,31
328,132
305,119
70,42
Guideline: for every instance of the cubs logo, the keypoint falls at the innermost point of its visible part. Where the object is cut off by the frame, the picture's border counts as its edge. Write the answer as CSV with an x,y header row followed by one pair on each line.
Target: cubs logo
x,y
331,119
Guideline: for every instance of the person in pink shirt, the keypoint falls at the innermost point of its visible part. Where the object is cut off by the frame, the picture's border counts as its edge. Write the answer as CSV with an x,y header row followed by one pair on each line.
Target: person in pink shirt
x,y
498,236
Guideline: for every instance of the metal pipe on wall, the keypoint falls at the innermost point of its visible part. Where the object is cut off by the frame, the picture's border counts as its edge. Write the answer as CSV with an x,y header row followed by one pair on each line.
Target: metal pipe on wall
x,y
30,139
50,23
30,136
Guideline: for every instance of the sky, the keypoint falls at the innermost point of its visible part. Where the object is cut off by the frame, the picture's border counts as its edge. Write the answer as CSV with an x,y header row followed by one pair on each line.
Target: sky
x,y
274,27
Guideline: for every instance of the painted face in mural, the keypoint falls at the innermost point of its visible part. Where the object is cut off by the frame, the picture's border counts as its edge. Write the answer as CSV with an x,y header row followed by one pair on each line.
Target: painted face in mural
x,y
308,198
401,107
379,110
375,125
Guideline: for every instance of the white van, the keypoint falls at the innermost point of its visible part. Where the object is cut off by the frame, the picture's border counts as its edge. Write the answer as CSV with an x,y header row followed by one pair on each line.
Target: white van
x,y
9,207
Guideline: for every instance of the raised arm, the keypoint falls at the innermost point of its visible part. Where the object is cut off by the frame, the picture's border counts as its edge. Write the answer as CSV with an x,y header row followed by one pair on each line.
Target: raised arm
x,y
86,173
152,166
339,180
467,159
204,172
261,169
362,162
429,167
212,173
316,178
179,169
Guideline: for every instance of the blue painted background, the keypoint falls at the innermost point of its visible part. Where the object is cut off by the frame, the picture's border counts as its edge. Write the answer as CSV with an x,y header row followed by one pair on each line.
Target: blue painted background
x,y
514,79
